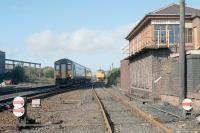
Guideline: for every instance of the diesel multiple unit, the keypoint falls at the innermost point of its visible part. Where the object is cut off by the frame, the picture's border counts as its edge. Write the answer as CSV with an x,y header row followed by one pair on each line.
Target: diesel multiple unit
x,y
68,72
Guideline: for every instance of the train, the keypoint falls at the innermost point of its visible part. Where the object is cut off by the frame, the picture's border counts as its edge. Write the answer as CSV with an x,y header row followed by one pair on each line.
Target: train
x,y
100,75
68,72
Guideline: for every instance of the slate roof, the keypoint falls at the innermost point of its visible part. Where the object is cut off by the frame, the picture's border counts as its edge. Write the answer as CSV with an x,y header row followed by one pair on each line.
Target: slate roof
x,y
174,9
170,10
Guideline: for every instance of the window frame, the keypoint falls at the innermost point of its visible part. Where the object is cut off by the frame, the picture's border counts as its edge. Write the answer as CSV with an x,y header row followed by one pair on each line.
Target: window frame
x,y
188,35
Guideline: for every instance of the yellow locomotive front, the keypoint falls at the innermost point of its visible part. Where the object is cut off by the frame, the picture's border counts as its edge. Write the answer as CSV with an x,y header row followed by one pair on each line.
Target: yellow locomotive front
x,y
100,75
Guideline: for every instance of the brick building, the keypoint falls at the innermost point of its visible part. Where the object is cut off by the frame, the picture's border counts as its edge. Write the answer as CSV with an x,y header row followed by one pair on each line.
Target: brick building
x,y
152,63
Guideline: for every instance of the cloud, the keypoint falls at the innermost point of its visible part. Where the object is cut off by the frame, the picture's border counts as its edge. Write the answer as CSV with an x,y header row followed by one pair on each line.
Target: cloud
x,y
84,41
41,44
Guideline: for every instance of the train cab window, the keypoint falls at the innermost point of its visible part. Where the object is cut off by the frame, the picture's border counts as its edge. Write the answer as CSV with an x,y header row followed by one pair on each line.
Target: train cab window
x,y
57,67
63,67
69,66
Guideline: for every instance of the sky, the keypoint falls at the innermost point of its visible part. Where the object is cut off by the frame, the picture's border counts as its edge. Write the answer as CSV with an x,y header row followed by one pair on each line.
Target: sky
x,y
89,32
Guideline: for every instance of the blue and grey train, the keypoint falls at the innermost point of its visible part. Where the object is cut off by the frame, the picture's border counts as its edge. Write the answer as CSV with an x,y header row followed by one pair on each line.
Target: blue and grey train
x,y
68,72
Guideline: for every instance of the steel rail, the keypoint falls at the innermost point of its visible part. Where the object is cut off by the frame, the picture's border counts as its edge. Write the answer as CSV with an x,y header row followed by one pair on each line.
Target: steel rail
x,y
106,120
166,112
24,92
151,106
141,113
156,108
37,94
51,92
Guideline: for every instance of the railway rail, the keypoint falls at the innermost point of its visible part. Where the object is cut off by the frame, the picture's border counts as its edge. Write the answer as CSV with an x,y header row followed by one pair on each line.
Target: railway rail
x,y
171,116
11,90
6,100
118,117
119,114
104,113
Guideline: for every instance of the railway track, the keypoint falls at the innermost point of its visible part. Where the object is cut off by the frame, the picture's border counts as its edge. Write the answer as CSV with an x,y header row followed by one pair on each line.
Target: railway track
x,y
106,118
6,100
12,90
96,110
171,113
118,113
121,116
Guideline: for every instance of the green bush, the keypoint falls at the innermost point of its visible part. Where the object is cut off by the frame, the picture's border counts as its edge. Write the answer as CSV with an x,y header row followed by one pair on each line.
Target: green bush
x,y
48,72
5,76
35,74
28,74
16,75
113,77
32,74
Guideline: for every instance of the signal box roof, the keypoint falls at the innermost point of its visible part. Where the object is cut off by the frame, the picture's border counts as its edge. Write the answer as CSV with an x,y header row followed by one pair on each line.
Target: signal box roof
x,y
172,10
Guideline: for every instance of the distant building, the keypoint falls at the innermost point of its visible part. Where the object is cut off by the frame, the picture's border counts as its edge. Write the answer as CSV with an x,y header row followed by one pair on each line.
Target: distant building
x,y
2,62
152,63
7,65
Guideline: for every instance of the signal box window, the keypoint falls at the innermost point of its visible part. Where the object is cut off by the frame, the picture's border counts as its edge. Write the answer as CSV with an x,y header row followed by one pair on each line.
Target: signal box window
x,y
188,35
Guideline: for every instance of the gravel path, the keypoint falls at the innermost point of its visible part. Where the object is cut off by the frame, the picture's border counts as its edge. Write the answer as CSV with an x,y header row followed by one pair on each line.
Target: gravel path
x,y
124,121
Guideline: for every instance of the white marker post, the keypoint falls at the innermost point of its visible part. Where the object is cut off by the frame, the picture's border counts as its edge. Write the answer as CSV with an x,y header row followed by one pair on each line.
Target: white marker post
x,y
18,102
187,104
19,110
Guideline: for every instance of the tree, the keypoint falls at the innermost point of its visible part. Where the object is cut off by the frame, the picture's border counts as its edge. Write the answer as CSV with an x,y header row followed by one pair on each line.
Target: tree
x,y
31,74
48,72
113,77
17,74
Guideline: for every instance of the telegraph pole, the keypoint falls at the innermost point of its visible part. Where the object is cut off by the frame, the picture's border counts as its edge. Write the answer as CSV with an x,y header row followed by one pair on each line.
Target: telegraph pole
x,y
182,55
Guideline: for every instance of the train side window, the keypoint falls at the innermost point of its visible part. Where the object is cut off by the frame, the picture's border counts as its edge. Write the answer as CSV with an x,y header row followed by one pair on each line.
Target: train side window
x,y
57,67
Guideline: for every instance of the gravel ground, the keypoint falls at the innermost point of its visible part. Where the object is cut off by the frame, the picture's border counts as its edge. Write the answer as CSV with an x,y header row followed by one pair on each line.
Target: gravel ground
x,y
78,112
71,112
178,126
7,122
124,121
74,112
